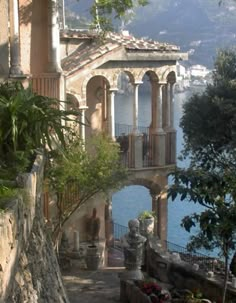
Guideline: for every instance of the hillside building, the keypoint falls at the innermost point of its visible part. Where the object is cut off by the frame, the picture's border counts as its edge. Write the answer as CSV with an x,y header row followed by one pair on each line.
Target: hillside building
x,y
79,66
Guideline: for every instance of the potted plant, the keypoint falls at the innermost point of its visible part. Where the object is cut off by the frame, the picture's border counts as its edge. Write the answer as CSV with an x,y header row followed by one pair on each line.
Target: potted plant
x,y
147,219
154,291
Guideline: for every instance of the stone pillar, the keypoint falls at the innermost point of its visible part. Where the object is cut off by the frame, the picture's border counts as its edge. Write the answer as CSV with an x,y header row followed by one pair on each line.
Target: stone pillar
x,y
155,210
158,135
167,127
54,38
15,67
135,107
4,37
170,131
172,105
159,126
162,218
112,112
83,109
135,150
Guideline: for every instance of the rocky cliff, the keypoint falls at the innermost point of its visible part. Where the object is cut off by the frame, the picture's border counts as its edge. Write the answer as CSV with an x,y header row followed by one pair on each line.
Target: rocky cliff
x,y
29,271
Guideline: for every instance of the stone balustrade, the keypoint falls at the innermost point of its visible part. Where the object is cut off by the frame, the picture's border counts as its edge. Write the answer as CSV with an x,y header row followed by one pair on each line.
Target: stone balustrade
x,y
169,268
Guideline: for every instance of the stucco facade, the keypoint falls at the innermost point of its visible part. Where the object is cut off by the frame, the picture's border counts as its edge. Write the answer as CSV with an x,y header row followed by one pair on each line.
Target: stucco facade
x,y
86,67
92,70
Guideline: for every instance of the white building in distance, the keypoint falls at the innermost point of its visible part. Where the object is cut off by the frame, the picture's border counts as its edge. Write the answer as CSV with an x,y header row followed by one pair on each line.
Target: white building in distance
x,y
199,71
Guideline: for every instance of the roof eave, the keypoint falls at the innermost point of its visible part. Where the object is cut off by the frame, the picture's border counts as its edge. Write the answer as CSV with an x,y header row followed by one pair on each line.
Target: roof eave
x,y
155,56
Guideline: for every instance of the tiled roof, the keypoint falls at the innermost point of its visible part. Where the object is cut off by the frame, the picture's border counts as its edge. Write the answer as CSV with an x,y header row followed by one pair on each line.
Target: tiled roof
x,y
132,43
92,48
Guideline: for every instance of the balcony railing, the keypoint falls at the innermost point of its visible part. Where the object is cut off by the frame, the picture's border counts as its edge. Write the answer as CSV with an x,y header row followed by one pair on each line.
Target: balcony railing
x,y
145,148
124,129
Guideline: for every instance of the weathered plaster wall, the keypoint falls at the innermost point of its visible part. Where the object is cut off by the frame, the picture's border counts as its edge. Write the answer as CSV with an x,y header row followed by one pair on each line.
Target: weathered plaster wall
x,y
29,271
4,58
79,221
25,19
163,266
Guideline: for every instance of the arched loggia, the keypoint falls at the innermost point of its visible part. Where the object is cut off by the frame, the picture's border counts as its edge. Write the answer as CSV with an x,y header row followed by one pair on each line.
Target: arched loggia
x,y
99,113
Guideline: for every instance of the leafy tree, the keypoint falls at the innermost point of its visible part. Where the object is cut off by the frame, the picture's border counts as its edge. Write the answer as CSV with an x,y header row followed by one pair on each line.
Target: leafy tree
x,y
209,119
209,127
89,171
28,122
105,11
216,191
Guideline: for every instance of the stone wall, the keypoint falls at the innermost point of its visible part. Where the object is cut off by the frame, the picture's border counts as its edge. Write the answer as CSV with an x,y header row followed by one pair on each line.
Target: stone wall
x,y
29,271
167,268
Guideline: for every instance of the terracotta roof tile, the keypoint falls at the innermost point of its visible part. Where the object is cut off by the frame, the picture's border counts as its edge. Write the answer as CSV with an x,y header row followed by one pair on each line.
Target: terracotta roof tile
x,y
92,48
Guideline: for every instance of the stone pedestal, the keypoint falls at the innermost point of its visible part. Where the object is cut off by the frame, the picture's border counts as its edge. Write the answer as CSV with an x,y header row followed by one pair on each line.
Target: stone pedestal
x,y
92,257
134,274
136,150
171,146
159,148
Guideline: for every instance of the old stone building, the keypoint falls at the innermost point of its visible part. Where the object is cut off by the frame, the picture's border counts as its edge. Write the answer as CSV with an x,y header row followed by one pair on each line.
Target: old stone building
x,y
86,68
92,69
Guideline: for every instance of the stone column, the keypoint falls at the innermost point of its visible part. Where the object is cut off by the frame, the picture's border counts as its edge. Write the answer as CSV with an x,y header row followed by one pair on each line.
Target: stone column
x,y
158,134
112,112
135,107
54,38
155,210
167,106
172,105
162,218
83,109
159,128
4,37
135,150
15,67
135,139
171,132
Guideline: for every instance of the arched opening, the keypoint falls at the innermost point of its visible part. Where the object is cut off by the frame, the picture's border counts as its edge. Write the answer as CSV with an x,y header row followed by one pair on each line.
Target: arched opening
x,y
97,114
171,77
147,113
129,202
145,92
72,104
124,104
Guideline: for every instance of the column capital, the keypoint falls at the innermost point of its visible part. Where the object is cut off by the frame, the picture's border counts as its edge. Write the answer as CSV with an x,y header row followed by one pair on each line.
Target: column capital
x,y
162,82
155,196
83,107
136,83
113,89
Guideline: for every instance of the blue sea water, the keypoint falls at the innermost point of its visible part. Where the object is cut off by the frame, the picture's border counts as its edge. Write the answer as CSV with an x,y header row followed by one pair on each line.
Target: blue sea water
x,y
131,200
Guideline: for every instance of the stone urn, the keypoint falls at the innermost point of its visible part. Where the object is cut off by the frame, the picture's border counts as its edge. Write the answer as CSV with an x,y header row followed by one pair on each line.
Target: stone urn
x,y
146,220
92,257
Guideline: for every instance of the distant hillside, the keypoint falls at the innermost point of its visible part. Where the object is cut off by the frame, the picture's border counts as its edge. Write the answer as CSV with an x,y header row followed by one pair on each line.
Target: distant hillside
x,y
198,26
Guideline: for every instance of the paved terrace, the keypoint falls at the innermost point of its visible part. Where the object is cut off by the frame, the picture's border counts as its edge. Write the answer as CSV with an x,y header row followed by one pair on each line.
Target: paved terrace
x,y
101,286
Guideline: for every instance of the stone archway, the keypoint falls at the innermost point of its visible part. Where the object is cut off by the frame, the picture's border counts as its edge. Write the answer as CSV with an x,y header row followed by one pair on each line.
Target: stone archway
x,y
98,103
156,187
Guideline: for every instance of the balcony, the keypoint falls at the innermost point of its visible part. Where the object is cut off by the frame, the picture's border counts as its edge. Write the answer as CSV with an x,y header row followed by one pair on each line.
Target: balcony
x,y
145,149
